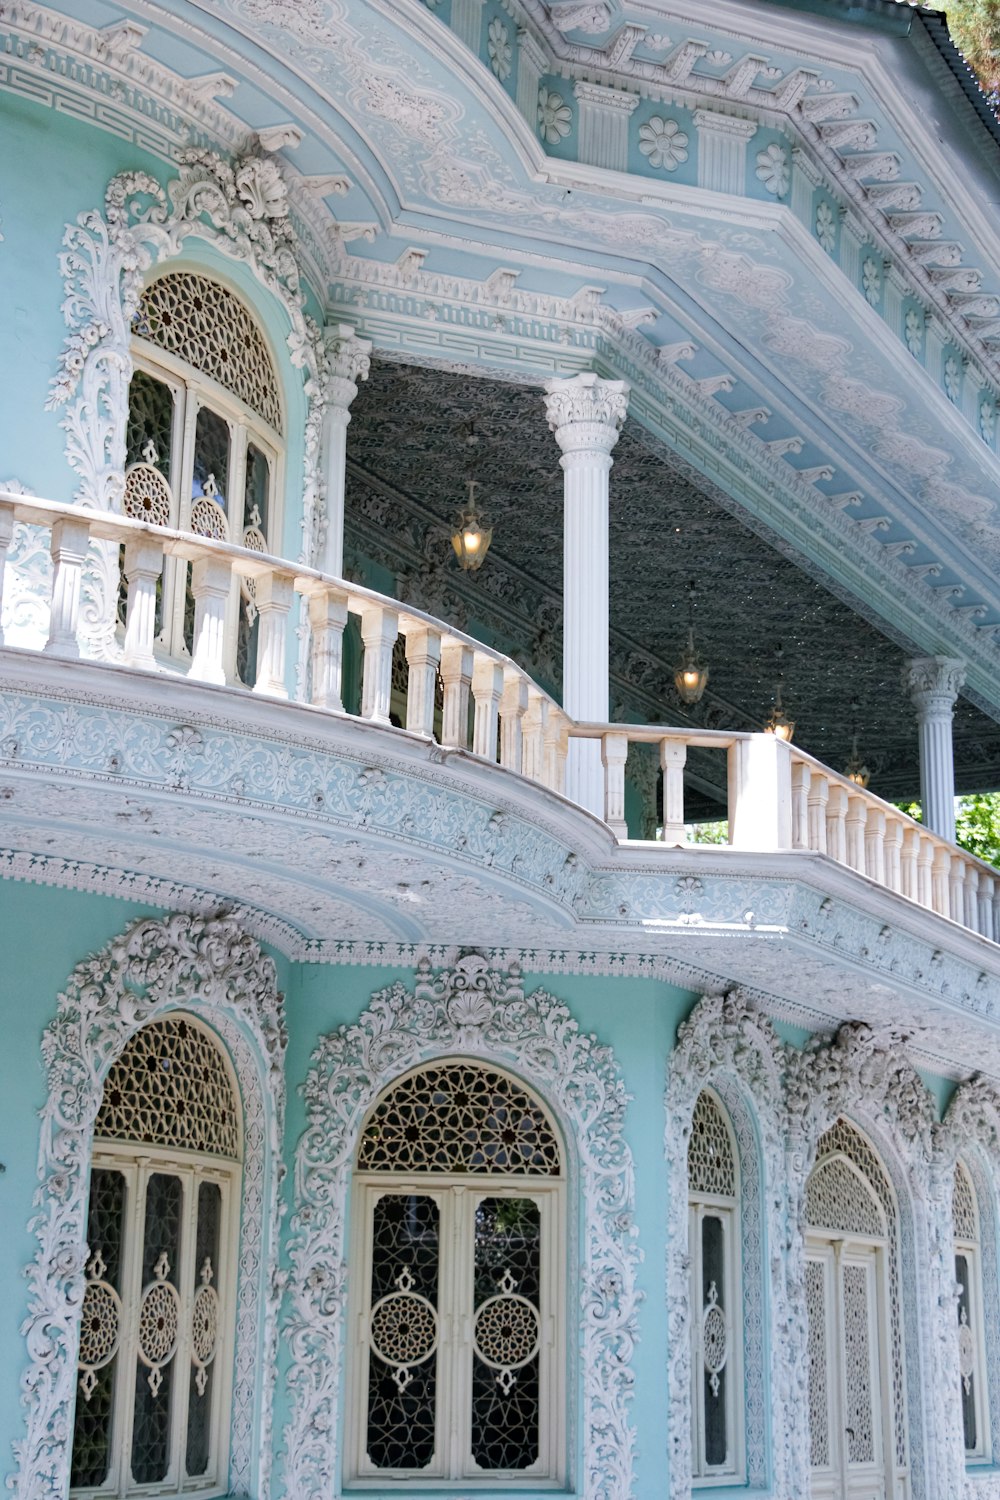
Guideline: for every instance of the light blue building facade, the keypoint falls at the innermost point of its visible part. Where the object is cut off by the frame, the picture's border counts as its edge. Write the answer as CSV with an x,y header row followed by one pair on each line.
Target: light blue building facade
x,y
401,1090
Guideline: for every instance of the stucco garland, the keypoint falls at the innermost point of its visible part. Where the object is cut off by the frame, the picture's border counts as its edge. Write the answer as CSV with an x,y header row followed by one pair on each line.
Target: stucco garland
x,y
210,967
727,1045
241,209
469,1010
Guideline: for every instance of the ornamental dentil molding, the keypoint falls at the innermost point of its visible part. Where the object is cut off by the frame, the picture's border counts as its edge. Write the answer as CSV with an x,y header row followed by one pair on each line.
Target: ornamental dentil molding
x,y
207,965
473,1010
728,1045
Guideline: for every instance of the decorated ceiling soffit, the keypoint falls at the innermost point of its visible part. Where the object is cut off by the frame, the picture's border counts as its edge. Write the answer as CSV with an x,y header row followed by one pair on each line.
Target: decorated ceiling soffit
x,y
929,569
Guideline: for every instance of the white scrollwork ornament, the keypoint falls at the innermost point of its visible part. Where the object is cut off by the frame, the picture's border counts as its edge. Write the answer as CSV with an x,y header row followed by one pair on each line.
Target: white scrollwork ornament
x,y
470,1009
210,966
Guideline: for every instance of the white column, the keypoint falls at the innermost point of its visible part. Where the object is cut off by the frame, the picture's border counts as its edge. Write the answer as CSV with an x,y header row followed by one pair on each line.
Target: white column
x,y
933,683
586,416
348,360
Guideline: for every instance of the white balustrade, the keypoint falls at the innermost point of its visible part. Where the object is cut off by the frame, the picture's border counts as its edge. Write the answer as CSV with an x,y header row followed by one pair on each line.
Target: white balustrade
x,y
779,798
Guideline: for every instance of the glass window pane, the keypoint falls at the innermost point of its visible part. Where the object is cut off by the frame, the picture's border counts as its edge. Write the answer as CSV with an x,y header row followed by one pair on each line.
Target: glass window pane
x,y
150,420
257,493
158,1328
966,1347
506,1333
100,1328
205,1328
714,1338
403,1332
211,457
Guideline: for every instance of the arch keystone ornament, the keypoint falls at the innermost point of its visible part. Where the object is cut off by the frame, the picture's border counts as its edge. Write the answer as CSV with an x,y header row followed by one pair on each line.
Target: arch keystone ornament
x,y
728,1046
211,968
475,1011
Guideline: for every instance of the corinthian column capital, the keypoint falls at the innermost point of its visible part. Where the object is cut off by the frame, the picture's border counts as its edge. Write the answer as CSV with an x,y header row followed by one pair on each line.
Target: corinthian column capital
x,y
933,683
348,360
586,413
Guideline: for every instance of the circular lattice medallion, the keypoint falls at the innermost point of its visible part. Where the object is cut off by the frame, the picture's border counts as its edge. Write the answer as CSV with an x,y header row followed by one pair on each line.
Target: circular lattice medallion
x,y
403,1329
506,1332
209,519
205,1324
100,1323
159,1319
254,540
966,1350
147,495
714,1341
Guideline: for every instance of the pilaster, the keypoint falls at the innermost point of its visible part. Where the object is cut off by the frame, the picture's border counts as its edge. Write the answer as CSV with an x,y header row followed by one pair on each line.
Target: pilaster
x,y
722,150
933,683
348,360
467,22
531,65
604,117
806,178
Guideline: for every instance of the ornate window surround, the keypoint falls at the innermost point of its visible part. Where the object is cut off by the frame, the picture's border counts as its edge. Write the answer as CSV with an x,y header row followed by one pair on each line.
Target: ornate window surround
x,y
468,1010
864,1076
242,210
211,968
728,1046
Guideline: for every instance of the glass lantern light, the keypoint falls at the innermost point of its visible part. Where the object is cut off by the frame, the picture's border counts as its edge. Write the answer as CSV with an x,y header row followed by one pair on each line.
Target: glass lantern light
x,y
471,537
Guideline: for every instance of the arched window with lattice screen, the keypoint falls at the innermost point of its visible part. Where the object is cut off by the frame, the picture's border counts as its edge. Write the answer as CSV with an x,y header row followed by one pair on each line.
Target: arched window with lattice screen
x,y
204,442
714,1247
156,1324
971,1331
458,1212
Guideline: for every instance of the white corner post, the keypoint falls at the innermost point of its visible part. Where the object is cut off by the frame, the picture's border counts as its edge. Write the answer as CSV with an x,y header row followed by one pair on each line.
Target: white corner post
x,y
933,683
586,415
348,360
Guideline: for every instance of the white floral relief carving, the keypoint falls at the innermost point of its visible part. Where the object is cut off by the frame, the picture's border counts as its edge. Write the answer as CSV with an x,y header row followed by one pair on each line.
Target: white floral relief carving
x,y
871,280
210,967
499,49
470,1010
952,378
826,227
913,328
773,169
730,1047
987,421
663,143
555,117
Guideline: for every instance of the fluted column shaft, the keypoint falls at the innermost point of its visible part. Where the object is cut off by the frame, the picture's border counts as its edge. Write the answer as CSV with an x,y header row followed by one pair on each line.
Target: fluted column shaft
x,y
934,682
586,416
347,361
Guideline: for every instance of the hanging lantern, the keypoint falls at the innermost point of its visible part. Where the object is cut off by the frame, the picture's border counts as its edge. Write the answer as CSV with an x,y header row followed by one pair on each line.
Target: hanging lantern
x,y
691,676
779,724
471,537
856,770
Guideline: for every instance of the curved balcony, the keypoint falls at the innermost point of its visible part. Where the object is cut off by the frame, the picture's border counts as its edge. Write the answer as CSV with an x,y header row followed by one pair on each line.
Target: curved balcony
x,y
477,709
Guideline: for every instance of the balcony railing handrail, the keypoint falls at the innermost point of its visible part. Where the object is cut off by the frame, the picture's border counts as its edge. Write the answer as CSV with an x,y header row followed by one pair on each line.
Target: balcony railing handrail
x,y
780,798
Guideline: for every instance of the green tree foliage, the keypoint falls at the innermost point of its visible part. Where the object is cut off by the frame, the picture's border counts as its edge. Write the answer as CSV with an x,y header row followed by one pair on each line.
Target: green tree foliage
x,y
975,30
977,826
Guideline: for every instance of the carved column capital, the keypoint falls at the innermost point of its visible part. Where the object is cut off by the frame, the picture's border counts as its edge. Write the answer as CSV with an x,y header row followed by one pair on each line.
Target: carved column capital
x,y
348,361
933,683
586,413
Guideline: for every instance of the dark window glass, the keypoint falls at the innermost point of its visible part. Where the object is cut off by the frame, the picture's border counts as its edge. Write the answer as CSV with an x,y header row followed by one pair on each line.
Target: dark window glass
x,y
713,1293
150,420
100,1323
204,1328
158,1329
967,1384
506,1334
403,1327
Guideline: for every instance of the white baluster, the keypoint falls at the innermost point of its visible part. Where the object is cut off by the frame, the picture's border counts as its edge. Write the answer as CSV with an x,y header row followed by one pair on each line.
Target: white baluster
x,y
987,886
273,598
614,754
379,629
536,719
925,872
940,881
487,689
875,845
211,585
836,822
909,877
801,779
6,537
893,851
956,888
143,566
857,818
673,758
327,622
70,539
556,749
456,675
423,657
971,914
819,796
513,705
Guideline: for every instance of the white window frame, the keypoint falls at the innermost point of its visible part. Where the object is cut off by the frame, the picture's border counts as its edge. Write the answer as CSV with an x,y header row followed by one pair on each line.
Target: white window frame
x,y
136,1165
972,1251
727,1209
192,391
456,1195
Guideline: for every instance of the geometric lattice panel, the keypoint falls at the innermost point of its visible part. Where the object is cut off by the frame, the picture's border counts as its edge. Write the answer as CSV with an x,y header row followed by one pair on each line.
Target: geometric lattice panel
x,y
458,1117
205,325
836,1198
170,1087
963,1207
711,1165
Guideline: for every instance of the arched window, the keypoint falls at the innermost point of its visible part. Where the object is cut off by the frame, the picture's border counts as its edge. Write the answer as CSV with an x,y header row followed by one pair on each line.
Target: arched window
x,y
204,441
458,1222
714,1247
156,1326
854,1305
971,1340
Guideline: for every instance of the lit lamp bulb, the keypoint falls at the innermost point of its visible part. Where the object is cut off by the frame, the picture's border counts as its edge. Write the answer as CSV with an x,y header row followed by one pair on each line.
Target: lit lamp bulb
x,y
856,770
470,538
779,724
691,677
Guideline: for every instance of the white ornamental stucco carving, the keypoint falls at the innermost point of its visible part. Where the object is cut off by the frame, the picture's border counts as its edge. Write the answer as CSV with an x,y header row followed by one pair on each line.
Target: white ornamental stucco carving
x,y
469,1010
727,1045
242,209
210,967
